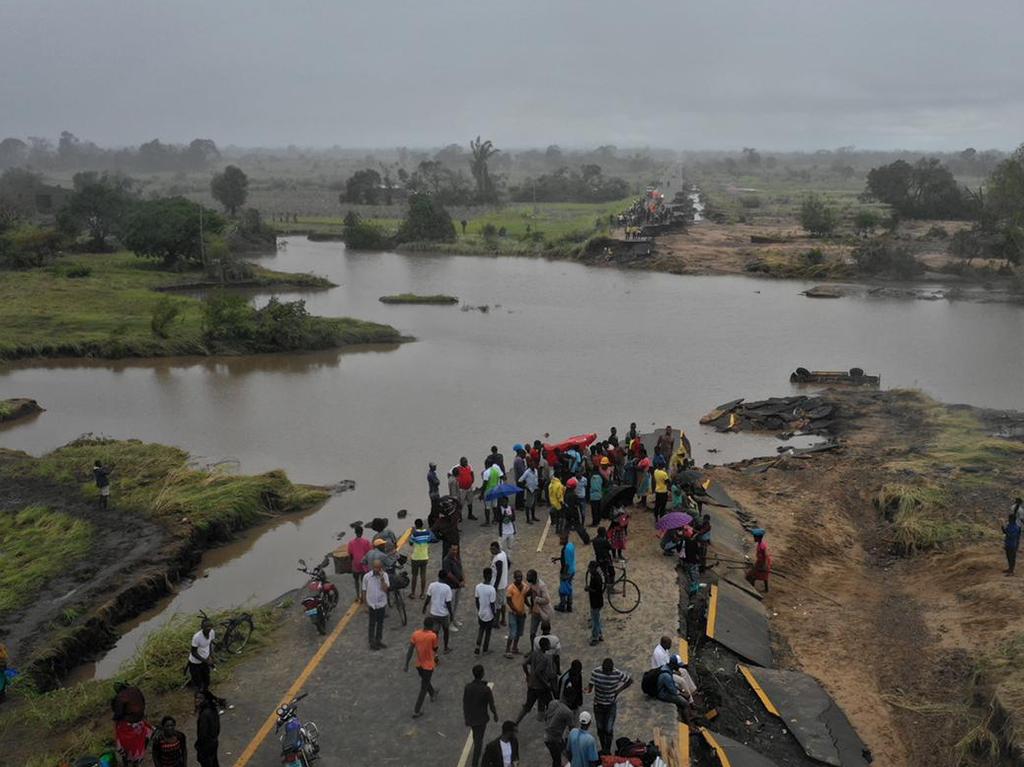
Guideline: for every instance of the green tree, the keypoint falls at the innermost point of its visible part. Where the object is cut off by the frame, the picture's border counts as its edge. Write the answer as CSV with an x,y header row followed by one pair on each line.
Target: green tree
x,y
362,188
99,205
482,151
13,151
865,221
230,187
18,188
924,190
426,220
817,218
362,235
28,246
171,229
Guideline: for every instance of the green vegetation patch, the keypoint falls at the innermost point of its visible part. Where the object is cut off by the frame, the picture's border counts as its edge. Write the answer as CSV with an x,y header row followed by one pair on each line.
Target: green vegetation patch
x,y
412,298
35,544
923,518
159,482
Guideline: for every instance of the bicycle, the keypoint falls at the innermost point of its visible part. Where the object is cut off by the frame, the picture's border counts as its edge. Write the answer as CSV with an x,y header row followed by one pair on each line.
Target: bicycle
x,y
237,630
625,598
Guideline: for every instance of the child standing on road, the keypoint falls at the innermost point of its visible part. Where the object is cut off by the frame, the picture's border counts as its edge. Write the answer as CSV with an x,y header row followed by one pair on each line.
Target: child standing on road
x,y
618,531
506,524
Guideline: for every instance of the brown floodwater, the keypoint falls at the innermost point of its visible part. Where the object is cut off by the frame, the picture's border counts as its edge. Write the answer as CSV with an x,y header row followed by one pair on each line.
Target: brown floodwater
x,y
563,349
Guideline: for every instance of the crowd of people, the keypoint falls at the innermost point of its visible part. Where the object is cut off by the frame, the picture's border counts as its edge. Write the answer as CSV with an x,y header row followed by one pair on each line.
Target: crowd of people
x,y
604,480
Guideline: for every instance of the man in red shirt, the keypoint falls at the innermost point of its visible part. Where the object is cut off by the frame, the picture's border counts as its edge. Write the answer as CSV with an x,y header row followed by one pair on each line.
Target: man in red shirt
x,y
466,479
424,644
357,549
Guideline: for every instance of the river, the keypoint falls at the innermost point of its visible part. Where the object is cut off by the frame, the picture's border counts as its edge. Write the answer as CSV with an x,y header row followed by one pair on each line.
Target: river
x,y
563,349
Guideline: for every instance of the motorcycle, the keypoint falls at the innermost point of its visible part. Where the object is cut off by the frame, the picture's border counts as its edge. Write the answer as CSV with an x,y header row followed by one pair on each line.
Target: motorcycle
x,y
324,597
300,742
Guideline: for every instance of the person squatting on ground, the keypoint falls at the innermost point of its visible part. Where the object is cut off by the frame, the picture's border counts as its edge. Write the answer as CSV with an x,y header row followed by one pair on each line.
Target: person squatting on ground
x,y
477,700
423,643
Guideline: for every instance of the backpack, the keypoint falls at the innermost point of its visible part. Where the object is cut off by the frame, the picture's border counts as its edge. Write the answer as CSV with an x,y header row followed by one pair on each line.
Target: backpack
x,y
649,681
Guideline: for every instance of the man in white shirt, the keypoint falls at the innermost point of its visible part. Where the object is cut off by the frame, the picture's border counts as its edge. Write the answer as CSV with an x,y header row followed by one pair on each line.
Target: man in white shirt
x,y
554,645
376,585
499,576
200,657
486,609
439,600
661,653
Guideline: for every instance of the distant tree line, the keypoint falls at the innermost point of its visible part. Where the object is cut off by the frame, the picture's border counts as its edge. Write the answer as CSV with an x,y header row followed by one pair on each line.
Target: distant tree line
x,y
71,153
588,184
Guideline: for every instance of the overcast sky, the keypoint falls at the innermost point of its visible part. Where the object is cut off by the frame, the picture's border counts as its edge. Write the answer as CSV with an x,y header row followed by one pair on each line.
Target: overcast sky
x,y
683,74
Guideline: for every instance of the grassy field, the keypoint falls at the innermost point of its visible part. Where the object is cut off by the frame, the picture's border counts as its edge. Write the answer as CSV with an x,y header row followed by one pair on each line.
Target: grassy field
x,y
74,720
108,312
412,298
529,229
23,537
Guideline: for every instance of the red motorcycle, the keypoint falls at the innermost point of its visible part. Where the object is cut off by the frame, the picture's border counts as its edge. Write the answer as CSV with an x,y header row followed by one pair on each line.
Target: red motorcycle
x,y
324,597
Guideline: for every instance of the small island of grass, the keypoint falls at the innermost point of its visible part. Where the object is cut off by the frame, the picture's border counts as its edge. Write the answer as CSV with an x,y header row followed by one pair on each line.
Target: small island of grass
x,y
412,298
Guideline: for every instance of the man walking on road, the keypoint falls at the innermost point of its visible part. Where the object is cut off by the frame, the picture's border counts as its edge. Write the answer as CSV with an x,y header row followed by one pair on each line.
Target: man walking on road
x,y
503,751
515,598
607,682
452,564
566,572
582,746
424,644
466,479
358,548
207,729
376,585
539,668
558,719
439,600
477,700
538,598
499,575
595,590
486,611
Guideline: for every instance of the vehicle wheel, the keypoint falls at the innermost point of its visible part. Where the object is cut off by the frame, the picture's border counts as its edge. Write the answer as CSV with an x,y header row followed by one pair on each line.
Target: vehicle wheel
x,y
625,598
321,622
312,734
400,607
332,599
238,637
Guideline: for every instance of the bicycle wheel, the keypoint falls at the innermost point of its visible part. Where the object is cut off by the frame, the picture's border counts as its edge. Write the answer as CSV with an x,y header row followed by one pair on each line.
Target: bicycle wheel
x,y
625,598
237,635
400,607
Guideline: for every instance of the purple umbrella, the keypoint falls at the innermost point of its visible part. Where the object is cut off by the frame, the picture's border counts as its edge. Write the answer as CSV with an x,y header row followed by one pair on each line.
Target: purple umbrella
x,y
674,520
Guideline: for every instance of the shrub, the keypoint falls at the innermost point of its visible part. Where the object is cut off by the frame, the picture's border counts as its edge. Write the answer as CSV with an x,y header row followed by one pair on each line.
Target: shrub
x,y
814,256
936,233
750,201
362,235
865,222
426,220
881,257
490,232
28,246
816,218
165,312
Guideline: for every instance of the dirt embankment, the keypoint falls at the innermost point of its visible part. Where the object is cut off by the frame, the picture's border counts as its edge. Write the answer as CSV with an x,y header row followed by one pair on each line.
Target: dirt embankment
x,y
18,408
137,550
901,528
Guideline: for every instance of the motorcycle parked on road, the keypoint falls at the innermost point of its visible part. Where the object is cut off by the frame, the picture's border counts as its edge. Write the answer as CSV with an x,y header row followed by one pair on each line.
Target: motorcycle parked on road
x,y
324,597
300,741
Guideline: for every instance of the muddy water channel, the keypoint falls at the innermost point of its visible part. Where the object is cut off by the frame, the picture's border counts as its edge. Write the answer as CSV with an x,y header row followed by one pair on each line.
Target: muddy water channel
x,y
563,348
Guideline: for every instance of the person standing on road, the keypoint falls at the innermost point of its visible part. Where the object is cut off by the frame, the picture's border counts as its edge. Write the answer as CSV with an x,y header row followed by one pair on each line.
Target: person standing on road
x,y
433,484
570,686
582,746
506,524
499,575
596,493
101,476
538,599
446,526
556,499
376,585
518,469
530,482
539,669
603,555
515,599
452,564
423,643
439,600
490,479
554,646
466,480
357,549
169,747
558,719
503,751
131,730
566,572
607,682
477,700
200,656
661,481
595,590
762,567
486,611
421,539
1011,542
207,729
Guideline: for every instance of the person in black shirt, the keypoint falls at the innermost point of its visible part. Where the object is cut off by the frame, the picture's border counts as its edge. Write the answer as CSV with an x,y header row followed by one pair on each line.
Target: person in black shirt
x,y
169,749
207,729
477,699
595,589
101,475
603,555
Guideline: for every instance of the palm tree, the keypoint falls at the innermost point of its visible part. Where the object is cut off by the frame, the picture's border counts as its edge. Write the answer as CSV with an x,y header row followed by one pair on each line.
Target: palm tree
x,y
482,151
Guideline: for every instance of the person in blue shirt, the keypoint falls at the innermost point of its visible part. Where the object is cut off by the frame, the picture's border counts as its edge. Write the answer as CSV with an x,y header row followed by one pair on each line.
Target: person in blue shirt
x,y
582,744
1011,542
566,572
596,491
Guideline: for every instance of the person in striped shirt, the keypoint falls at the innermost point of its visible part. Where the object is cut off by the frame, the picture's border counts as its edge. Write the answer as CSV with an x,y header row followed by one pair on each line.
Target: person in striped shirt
x,y
606,683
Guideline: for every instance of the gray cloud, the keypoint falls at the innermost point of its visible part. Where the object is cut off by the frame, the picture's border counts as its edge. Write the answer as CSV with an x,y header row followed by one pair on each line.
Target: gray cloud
x,y
678,73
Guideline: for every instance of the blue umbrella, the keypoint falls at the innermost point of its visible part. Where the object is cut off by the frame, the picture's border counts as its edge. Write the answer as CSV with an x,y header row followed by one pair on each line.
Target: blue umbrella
x,y
503,490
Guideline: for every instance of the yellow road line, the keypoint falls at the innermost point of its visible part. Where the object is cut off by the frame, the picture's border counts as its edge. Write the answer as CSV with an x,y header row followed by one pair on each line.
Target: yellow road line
x,y
712,612
723,758
300,680
684,650
683,747
468,748
745,670
544,535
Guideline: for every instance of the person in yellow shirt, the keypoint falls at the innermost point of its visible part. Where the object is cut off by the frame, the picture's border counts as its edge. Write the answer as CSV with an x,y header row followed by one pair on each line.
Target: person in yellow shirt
x,y
556,497
660,492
